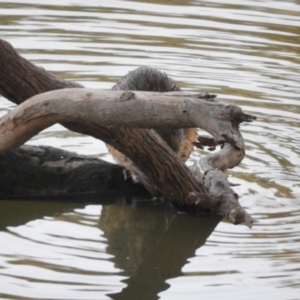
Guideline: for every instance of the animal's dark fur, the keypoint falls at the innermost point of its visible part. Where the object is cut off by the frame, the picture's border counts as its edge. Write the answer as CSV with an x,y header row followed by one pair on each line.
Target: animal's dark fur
x,y
152,80
180,140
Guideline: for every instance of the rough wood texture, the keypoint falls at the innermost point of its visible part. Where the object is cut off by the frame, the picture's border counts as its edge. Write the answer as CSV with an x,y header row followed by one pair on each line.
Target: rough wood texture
x,y
21,79
143,146
108,109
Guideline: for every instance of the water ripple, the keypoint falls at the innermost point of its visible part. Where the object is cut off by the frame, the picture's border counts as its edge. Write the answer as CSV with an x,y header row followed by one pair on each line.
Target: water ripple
x,y
247,52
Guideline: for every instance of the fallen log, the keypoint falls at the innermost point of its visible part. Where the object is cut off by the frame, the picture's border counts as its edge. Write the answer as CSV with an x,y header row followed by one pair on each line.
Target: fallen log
x,y
97,113
44,172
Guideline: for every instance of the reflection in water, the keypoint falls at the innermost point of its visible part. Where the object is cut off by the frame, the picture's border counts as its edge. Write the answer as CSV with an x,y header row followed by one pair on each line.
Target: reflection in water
x,y
246,52
151,245
148,242
15,213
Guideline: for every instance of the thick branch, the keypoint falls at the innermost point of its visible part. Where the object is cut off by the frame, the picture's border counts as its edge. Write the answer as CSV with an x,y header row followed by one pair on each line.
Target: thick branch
x,y
20,79
108,108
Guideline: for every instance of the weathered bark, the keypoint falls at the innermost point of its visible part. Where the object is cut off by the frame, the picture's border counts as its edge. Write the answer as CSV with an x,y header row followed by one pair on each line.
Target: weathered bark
x,y
115,109
143,146
20,79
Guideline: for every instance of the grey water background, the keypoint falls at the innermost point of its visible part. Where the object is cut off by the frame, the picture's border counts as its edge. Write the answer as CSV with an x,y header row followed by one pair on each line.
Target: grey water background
x,y
246,52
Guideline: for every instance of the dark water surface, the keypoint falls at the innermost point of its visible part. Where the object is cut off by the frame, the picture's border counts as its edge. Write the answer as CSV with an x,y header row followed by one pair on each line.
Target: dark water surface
x,y
247,52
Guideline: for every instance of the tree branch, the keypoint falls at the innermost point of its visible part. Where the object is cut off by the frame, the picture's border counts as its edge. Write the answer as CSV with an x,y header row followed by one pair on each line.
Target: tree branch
x,y
21,79
107,108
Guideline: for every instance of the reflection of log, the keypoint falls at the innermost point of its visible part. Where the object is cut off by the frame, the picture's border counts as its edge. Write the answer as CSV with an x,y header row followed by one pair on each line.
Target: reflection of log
x,y
149,242
143,146
150,247
15,213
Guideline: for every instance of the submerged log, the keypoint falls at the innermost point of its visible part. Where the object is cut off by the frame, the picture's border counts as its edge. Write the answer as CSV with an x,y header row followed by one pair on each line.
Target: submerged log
x,y
87,111
30,172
